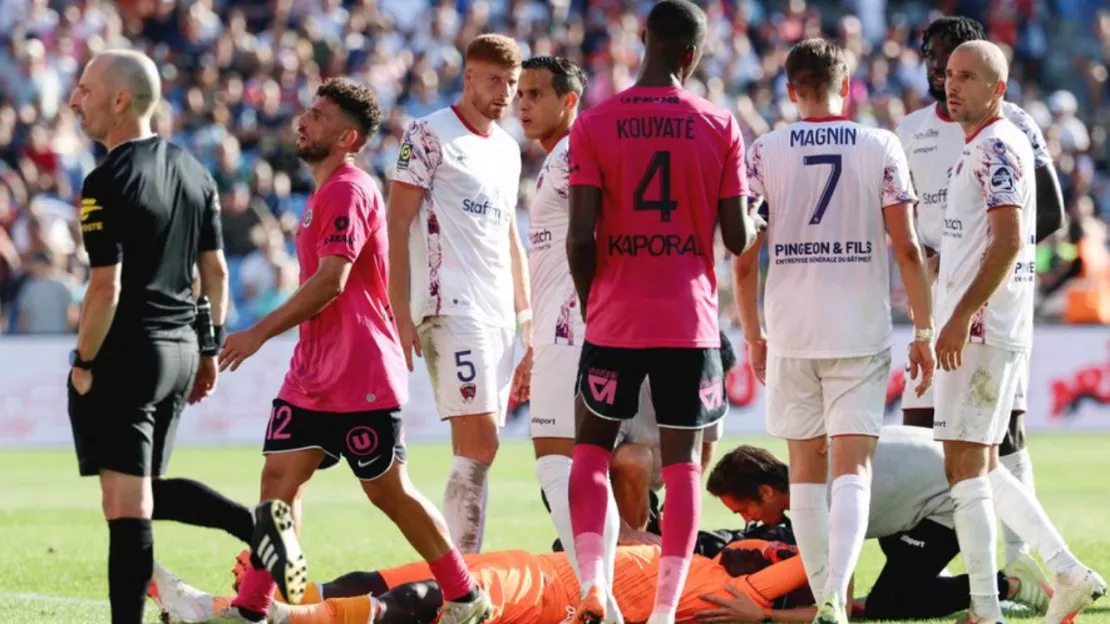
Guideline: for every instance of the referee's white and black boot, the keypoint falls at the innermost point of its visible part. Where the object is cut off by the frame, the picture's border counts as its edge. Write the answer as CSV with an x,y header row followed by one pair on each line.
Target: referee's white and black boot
x,y
276,549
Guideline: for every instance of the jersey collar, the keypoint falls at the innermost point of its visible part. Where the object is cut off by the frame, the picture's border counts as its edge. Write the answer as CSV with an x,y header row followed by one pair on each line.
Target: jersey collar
x,y
472,129
828,119
971,138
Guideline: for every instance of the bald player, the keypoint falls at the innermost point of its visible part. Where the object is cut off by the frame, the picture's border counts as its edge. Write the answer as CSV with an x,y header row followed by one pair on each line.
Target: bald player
x,y
932,142
152,207
985,307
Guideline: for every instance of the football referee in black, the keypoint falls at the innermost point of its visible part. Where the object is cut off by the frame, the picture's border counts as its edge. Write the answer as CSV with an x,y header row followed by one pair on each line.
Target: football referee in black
x,y
149,215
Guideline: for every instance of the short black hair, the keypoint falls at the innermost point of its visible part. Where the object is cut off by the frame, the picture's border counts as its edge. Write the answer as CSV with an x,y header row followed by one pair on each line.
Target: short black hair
x,y
356,101
678,23
566,76
743,469
952,30
816,67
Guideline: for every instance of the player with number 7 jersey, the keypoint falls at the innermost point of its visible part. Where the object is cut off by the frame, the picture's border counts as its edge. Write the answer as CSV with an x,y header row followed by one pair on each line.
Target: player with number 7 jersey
x,y
832,191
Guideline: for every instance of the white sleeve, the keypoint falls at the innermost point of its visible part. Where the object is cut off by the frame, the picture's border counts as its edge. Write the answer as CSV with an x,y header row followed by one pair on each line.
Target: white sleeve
x,y
1029,127
419,157
755,167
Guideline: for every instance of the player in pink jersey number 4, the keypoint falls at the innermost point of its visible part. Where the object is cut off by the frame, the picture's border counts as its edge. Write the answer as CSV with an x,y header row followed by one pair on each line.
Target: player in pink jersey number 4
x,y
652,171
343,393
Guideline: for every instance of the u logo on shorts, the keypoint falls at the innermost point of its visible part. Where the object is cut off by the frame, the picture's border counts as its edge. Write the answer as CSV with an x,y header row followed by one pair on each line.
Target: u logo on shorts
x,y
362,441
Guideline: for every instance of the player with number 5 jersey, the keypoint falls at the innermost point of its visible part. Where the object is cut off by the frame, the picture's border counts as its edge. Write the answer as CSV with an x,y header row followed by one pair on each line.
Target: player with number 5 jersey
x,y
653,170
832,190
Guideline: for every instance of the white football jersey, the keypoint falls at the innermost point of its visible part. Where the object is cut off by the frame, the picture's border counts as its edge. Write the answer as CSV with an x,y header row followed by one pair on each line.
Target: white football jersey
x,y
994,169
825,184
459,244
558,317
932,144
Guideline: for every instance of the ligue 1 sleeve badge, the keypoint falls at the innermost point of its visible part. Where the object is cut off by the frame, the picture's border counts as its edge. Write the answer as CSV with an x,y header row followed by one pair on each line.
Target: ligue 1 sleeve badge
x,y
307,221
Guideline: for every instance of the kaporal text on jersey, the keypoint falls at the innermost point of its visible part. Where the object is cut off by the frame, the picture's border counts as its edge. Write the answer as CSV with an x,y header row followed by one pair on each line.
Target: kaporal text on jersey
x,y
835,135
656,127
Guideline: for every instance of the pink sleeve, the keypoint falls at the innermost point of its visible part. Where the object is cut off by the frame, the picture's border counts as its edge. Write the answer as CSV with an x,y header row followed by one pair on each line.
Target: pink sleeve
x,y
998,172
585,168
897,183
350,219
734,178
419,157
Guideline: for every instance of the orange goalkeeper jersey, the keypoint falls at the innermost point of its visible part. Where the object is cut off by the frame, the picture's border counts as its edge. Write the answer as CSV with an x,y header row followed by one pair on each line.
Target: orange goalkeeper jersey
x,y
526,588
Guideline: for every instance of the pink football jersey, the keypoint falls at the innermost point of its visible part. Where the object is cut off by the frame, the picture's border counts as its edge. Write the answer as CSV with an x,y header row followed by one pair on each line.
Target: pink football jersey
x,y
663,158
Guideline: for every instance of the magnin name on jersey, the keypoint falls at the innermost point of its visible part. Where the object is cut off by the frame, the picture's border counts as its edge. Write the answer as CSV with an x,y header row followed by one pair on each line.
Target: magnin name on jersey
x,y
655,245
816,252
823,135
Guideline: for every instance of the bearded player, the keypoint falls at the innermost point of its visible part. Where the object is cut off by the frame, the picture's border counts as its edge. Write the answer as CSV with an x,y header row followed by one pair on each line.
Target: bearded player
x,y
653,170
343,394
453,237
932,142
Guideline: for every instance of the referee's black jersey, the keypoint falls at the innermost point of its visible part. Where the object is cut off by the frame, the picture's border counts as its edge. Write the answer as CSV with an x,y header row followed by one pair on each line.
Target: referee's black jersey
x,y
153,208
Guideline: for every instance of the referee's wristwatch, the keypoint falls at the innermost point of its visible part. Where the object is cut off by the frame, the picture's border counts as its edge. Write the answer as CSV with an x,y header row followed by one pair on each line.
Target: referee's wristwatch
x,y
76,362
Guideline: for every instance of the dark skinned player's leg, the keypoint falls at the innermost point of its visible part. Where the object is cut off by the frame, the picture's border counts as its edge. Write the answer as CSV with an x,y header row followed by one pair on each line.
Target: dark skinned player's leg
x,y
411,603
593,524
355,584
918,417
680,451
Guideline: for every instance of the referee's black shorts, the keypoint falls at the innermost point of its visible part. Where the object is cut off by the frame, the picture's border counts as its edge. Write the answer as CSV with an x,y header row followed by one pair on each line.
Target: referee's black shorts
x,y
127,421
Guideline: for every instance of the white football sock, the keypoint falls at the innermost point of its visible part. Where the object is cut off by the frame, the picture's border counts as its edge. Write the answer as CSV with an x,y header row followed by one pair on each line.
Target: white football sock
x,y
553,472
1018,508
977,533
464,506
1020,464
848,511
809,511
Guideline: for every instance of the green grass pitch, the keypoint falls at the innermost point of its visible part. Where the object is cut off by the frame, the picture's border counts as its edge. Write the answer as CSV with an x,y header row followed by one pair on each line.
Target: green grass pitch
x,y
55,543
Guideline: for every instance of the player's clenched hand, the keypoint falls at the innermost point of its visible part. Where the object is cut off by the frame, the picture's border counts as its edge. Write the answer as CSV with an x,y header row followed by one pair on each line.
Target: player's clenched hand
x,y
739,608
205,384
522,379
410,339
757,358
951,341
238,347
923,362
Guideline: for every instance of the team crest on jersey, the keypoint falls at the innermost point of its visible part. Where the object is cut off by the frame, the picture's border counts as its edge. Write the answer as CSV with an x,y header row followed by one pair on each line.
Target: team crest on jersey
x,y
405,156
307,218
1002,179
468,392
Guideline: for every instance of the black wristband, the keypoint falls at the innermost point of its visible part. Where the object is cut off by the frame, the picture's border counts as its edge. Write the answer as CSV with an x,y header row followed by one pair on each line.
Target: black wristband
x,y
206,338
221,337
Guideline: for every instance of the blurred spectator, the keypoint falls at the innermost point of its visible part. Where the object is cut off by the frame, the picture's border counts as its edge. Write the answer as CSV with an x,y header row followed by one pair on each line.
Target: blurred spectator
x,y
46,303
236,72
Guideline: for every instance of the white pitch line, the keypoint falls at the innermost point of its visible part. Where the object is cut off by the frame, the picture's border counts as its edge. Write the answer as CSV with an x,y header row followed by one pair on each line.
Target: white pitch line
x,y
47,598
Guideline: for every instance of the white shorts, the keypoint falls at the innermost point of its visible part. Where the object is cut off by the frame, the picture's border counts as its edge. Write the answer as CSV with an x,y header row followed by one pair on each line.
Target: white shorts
x,y
643,429
810,398
554,372
470,364
973,402
910,400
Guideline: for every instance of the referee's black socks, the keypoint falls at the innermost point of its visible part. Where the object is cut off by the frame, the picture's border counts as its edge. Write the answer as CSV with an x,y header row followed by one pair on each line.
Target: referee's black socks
x,y
130,565
192,502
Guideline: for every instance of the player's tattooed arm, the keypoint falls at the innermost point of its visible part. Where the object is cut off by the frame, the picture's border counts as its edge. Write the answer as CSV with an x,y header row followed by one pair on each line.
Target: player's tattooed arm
x,y
585,206
1050,202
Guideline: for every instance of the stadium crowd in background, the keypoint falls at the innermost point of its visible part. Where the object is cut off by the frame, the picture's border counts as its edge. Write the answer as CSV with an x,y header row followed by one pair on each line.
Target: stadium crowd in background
x,y
235,70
